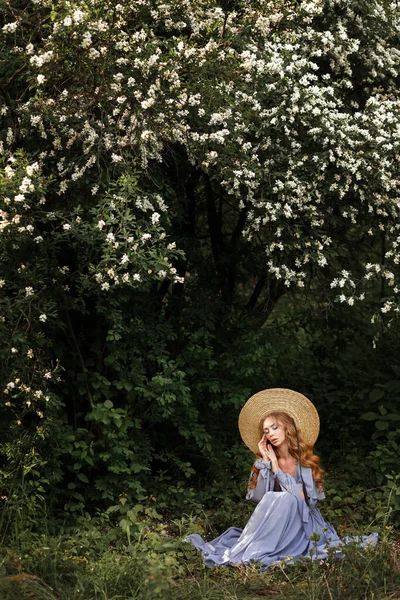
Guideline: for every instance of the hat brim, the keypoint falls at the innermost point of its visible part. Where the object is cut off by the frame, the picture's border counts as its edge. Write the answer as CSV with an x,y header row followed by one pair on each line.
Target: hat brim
x,y
297,406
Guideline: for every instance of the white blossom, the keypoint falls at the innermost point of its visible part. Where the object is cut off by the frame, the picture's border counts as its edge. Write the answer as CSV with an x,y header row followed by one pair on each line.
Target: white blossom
x,y
31,169
10,27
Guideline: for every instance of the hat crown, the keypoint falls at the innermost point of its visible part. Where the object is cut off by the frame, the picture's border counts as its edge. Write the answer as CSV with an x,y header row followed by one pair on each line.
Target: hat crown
x,y
294,404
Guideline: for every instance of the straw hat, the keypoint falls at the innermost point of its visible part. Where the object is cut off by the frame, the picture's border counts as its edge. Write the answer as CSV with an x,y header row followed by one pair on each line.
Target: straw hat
x,y
294,404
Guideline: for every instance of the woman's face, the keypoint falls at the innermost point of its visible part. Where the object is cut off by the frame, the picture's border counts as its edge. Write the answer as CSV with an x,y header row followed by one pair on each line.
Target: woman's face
x,y
274,430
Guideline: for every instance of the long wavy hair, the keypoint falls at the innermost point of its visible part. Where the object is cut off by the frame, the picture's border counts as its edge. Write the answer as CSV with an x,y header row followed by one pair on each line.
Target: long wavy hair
x,y
308,458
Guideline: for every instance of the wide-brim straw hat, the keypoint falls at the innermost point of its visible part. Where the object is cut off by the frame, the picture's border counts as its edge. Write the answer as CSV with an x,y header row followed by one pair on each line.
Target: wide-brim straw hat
x,y
294,404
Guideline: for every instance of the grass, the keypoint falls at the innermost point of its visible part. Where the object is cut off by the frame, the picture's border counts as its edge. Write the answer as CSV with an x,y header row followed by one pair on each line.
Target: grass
x,y
55,572
96,562
137,553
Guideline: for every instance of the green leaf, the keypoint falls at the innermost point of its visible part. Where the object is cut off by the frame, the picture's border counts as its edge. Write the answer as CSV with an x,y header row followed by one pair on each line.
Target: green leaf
x,y
108,404
393,417
83,478
78,496
110,360
382,425
376,395
370,416
124,524
114,508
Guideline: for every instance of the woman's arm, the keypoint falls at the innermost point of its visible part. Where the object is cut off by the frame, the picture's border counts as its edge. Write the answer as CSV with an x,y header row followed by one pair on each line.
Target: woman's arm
x,y
261,477
314,493
264,480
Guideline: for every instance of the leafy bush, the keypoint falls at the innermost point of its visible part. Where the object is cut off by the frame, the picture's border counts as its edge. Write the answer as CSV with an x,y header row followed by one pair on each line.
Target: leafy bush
x,y
178,178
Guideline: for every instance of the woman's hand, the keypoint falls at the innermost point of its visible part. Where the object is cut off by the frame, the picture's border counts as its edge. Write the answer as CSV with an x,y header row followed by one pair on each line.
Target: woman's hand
x,y
272,457
267,452
262,447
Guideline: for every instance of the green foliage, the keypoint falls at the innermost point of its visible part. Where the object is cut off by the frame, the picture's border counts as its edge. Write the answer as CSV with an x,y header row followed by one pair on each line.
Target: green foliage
x,y
128,554
385,400
182,187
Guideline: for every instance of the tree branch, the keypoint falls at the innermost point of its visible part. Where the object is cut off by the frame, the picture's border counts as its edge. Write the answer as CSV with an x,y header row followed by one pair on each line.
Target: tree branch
x,y
257,290
78,350
214,223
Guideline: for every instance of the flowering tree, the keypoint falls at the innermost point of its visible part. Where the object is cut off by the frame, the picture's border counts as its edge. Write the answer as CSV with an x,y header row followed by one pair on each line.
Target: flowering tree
x,y
154,149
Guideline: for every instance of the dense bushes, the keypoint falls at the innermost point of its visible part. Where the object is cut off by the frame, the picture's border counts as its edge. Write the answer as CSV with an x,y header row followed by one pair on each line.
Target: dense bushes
x,y
186,189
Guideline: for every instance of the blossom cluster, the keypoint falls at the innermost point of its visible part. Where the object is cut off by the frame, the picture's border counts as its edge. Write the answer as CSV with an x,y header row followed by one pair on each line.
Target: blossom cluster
x,y
134,242
270,102
275,118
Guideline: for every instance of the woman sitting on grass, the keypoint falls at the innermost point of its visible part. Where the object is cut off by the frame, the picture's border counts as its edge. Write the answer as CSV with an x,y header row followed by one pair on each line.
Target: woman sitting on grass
x,y
286,481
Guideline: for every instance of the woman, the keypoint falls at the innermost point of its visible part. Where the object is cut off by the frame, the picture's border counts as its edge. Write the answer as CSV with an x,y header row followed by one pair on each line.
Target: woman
x,y
286,482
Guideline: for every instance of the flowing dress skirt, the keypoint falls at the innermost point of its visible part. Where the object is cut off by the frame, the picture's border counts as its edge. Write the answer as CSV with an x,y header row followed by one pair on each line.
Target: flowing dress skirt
x,y
276,531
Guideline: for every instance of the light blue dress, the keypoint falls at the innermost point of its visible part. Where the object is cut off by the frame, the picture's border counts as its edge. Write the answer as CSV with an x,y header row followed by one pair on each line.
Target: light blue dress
x,y
280,527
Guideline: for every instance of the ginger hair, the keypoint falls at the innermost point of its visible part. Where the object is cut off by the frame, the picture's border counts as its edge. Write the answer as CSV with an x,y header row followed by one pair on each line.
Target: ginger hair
x,y
308,458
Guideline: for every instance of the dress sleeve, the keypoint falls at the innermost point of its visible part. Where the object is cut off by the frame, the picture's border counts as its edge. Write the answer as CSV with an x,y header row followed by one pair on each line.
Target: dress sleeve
x,y
265,481
313,492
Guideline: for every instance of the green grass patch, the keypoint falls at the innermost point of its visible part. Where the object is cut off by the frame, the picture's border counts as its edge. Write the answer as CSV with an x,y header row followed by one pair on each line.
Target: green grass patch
x,y
133,554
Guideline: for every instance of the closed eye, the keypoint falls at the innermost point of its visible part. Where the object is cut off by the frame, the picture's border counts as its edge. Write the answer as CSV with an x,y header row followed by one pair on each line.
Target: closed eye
x,y
274,427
